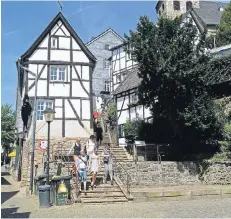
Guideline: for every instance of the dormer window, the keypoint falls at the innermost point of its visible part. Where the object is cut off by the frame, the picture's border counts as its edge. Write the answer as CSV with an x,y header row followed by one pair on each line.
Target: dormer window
x,y
176,5
221,9
54,42
188,5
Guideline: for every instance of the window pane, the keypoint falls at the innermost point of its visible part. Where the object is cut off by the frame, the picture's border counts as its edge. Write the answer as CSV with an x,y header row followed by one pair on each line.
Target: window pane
x,y
53,74
61,74
41,106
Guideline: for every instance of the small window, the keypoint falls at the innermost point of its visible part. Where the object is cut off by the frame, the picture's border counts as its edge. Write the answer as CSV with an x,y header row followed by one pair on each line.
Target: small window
x,y
121,131
41,106
107,46
134,98
163,7
124,75
107,86
57,73
118,78
176,5
106,64
188,5
159,12
54,42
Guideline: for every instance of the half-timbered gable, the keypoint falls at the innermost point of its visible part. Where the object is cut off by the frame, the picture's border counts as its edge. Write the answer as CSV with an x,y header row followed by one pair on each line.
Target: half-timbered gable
x,y
127,103
120,62
64,67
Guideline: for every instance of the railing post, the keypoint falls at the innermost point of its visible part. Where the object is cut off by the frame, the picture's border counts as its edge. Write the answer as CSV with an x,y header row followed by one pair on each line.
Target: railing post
x,y
145,155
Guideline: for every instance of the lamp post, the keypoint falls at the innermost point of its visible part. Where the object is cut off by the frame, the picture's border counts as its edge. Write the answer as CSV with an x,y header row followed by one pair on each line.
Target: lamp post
x,y
49,117
34,121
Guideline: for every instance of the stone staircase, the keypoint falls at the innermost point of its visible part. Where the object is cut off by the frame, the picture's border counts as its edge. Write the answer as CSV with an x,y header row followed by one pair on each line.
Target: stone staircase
x,y
105,193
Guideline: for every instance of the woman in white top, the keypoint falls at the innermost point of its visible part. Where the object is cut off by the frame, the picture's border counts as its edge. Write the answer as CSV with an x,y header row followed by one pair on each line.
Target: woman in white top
x,y
90,146
94,165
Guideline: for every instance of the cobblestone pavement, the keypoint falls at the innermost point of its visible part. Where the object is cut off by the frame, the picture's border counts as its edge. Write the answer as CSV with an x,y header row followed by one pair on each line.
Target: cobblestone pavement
x,y
16,205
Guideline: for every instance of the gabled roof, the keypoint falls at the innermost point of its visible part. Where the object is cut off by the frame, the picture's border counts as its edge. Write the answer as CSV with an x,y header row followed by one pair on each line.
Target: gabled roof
x,y
58,17
104,33
209,12
207,15
131,81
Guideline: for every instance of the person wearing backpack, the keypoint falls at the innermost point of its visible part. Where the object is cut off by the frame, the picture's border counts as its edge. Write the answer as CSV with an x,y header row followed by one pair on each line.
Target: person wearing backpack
x,y
107,160
81,167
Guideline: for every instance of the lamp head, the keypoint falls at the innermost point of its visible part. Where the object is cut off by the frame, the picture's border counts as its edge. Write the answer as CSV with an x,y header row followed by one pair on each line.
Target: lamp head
x,y
49,114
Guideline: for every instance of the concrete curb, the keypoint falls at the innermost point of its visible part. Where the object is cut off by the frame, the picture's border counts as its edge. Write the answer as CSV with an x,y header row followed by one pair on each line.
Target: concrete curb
x,y
182,195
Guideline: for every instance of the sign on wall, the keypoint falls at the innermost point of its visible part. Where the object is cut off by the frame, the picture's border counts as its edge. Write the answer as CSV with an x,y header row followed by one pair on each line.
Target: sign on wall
x,y
43,145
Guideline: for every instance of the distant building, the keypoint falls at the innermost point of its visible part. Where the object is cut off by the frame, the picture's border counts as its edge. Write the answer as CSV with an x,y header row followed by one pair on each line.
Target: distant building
x,y
206,15
100,48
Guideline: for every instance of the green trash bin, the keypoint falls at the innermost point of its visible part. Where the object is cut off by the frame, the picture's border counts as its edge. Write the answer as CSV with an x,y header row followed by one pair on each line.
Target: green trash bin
x,y
61,190
44,196
39,181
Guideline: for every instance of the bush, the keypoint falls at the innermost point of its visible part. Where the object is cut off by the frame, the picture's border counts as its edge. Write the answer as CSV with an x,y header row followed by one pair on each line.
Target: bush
x,y
111,112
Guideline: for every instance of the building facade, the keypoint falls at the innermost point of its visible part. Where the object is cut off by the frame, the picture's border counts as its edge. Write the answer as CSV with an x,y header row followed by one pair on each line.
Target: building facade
x,y
64,67
100,48
120,62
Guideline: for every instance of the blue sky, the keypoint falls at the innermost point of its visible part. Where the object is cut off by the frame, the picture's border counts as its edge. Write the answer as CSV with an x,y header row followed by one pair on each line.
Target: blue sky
x,y
23,22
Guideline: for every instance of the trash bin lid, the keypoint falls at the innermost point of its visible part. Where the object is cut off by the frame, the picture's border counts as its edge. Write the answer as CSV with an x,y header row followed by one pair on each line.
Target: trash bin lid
x,y
42,176
44,187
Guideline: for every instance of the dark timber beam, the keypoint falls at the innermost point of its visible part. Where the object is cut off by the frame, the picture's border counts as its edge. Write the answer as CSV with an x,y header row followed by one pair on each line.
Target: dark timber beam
x,y
49,62
76,114
39,75
81,81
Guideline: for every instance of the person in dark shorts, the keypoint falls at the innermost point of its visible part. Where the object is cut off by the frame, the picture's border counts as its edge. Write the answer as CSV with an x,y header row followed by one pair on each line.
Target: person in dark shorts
x,y
99,135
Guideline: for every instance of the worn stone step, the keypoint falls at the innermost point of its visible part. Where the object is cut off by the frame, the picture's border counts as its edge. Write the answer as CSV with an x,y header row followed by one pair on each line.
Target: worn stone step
x,y
102,194
104,200
105,189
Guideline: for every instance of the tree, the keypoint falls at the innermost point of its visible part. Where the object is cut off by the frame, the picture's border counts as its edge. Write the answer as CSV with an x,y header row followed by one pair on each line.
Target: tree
x,y
7,126
172,66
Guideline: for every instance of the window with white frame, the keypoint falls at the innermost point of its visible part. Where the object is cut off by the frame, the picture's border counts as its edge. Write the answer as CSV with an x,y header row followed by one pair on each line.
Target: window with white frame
x,y
106,64
57,73
107,86
41,106
118,78
54,42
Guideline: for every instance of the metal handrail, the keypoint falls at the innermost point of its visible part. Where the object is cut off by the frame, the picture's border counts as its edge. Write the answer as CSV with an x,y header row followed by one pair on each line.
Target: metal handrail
x,y
128,176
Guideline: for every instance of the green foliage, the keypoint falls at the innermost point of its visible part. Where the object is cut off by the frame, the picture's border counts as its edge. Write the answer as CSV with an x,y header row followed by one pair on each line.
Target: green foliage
x,y
7,125
112,111
132,127
172,67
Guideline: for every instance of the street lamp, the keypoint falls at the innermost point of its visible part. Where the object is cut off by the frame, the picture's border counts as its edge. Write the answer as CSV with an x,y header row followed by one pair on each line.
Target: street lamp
x,y
49,117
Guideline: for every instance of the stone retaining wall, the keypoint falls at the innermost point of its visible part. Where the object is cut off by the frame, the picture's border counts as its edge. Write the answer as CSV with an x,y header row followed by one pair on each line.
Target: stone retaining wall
x,y
176,173
65,143
218,173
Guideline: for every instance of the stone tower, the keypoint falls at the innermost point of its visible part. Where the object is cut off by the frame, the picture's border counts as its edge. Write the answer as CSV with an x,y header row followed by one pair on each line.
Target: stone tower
x,y
172,9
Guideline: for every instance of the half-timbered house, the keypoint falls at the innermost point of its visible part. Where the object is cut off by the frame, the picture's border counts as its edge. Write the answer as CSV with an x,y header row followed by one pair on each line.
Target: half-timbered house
x,y
120,62
64,67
